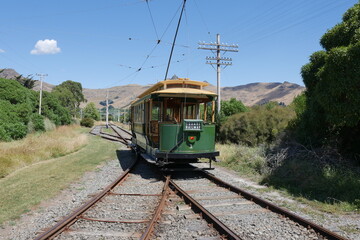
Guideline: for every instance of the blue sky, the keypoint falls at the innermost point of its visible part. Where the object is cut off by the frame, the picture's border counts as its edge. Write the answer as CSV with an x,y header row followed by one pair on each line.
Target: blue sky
x,y
103,43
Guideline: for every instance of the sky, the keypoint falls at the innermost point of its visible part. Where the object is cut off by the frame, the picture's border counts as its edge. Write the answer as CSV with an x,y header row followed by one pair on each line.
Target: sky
x,y
110,43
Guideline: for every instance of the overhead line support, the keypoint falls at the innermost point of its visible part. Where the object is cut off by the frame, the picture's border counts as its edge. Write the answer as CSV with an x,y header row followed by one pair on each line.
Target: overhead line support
x,y
218,47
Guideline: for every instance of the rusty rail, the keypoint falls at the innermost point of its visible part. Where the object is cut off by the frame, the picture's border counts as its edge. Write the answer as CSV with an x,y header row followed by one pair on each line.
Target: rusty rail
x,y
210,218
72,218
268,205
116,130
165,192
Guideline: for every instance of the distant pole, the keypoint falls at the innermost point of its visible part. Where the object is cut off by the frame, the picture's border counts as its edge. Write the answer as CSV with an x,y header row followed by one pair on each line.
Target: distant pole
x,y
218,71
41,87
218,47
107,109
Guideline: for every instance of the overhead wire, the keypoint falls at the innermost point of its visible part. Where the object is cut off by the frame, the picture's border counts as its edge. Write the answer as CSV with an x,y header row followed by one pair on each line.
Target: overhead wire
x,y
301,21
152,19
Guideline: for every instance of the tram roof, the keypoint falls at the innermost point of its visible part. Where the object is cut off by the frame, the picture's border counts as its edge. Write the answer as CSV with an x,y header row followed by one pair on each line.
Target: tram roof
x,y
187,91
161,86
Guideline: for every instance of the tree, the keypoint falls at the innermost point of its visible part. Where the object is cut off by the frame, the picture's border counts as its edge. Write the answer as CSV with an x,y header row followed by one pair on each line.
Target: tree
x,y
27,82
232,107
90,111
70,95
332,79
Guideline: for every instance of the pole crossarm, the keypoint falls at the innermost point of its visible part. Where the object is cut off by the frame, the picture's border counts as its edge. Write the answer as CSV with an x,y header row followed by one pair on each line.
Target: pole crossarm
x,y
219,49
219,61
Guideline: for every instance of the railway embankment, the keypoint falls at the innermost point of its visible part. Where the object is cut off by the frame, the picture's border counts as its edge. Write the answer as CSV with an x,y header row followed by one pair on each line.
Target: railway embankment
x,y
69,154
313,183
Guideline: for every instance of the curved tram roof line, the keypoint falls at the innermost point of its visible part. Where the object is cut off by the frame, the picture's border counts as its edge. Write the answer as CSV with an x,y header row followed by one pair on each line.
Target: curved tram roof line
x,y
162,87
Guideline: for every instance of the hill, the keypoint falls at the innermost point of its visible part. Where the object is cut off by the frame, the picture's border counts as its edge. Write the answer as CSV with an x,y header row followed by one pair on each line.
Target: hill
x,y
250,94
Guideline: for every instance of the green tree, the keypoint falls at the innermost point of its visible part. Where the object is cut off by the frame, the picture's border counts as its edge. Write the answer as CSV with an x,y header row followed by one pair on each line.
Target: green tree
x,y
27,82
332,79
70,95
232,107
90,111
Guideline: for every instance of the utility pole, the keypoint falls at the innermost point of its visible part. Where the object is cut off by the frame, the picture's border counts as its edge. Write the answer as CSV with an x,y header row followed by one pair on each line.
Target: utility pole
x,y
219,61
107,109
41,87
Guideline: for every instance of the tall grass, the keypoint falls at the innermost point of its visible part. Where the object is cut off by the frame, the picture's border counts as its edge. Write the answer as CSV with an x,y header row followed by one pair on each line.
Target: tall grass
x,y
38,147
249,161
317,179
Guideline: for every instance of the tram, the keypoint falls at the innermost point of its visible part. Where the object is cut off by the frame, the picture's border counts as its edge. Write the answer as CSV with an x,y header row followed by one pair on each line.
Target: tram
x,y
174,122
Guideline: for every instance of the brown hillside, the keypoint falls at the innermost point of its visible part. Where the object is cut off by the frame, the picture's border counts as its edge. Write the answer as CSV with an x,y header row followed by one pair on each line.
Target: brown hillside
x,y
250,94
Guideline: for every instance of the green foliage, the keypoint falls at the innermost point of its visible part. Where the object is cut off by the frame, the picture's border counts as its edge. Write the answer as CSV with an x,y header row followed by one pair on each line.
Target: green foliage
x,y
19,107
332,78
90,111
12,130
52,109
103,103
70,95
299,104
27,82
38,122
260,125
87,122
232,107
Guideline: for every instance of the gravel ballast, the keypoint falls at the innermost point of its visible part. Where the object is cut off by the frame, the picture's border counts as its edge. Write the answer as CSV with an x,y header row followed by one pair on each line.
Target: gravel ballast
x,y
173,221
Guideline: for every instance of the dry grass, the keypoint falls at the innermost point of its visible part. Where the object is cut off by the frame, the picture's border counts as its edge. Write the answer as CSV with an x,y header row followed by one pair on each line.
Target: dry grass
x,y
38,147
249,161
26,188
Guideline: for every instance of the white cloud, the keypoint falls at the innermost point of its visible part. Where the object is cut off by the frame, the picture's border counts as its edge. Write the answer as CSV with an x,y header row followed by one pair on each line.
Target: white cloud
x,y
47,46
2,50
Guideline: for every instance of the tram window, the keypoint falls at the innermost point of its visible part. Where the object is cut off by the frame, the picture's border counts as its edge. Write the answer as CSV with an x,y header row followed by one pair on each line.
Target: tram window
x,y
189,112
155,112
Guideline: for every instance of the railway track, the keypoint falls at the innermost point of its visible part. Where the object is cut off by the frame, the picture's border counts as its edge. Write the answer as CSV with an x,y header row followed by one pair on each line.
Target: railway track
x,y
144,203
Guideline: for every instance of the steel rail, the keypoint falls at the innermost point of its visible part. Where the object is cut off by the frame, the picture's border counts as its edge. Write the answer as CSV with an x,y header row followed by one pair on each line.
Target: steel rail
x,y
210,218
268,205
118,133
126,131
73,217
165,192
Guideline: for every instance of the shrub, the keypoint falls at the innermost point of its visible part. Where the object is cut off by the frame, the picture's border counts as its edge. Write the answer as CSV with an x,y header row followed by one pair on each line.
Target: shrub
x,y
87,122
38,122
16,130
260,125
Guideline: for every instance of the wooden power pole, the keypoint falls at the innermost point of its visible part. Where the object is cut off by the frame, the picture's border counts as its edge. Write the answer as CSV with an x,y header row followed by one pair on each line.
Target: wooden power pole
x,y
218,60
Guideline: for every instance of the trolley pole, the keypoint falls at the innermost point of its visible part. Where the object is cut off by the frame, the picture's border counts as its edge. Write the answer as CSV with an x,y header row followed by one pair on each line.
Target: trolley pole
x,y
41,88
219,61
107,109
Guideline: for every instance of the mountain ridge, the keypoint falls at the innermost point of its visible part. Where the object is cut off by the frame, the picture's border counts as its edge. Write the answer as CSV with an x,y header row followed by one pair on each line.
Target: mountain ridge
x,y
250,94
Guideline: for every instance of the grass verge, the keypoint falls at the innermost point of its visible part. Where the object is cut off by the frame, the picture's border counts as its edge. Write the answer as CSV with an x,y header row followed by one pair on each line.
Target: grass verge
x,y
329,187
29,186
39,147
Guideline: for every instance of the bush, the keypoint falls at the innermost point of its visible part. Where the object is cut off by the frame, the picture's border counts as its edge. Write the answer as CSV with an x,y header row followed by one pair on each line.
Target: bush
x,y
260,125
87,122
16,130
38,122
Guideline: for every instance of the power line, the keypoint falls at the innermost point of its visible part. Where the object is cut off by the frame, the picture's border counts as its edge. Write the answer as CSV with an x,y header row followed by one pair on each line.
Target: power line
x,y
152,19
